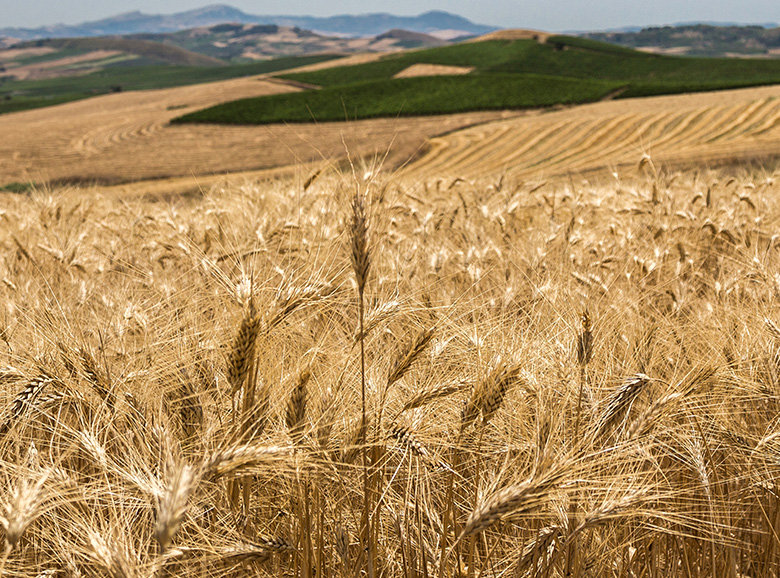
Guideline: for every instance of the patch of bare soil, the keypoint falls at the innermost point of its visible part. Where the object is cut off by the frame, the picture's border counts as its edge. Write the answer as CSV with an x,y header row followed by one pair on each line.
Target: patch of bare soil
x,y
346,61
432,70
54,68
513,34
14,53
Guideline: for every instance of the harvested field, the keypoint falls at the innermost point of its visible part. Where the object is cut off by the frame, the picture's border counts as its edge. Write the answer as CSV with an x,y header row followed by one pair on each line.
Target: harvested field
x,y
125,137
351,60
8,54
513,34
55,68
675,130
432,70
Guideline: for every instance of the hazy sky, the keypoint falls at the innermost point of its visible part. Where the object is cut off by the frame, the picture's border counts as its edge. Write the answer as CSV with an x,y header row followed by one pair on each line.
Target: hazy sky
x,y
553,15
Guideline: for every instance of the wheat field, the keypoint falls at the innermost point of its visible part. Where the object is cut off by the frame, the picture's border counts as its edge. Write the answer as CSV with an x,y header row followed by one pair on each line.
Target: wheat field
x,y
359,375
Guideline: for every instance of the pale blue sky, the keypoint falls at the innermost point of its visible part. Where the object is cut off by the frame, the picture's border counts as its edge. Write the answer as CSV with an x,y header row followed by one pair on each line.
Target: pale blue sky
x,y
553,15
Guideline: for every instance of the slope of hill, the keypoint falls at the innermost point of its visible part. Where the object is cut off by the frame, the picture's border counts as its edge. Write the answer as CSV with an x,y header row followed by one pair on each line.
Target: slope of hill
x,y
151,52
122,138
699,40
40,72
358,25
239,42
54,76
505,74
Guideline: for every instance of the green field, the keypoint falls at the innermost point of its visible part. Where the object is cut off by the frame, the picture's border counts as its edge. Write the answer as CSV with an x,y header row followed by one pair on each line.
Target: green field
x,y
506,74
408,96
16,95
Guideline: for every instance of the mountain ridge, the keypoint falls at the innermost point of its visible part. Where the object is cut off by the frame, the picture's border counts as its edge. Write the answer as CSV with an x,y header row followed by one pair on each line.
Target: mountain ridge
x,y
137,22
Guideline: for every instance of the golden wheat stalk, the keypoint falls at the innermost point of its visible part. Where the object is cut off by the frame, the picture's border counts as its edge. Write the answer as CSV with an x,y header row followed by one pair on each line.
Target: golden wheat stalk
x,y
172,505
498,383
21,508
611,510
376,316
95,376
360,256
25,399
259,551
618,403
408,440
239,459
187,406
412,353
536,553
430,394
113,560
243,349
514,500
647,421
296,407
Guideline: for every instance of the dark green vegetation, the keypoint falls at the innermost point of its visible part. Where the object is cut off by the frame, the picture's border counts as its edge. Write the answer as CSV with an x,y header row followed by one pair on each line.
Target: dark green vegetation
x,y
506,74
18,95
17,187
700,39
407,96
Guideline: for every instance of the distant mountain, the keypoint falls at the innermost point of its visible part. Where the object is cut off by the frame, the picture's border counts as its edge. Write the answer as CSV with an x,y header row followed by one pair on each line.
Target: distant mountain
x,y
348,25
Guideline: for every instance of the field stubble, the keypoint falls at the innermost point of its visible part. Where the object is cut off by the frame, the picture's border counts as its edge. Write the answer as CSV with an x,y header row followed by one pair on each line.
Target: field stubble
x,y
557,379
126,137
677,130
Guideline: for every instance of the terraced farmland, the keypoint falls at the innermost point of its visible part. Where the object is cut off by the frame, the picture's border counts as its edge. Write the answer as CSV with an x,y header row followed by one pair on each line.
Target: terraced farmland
x,y
713,127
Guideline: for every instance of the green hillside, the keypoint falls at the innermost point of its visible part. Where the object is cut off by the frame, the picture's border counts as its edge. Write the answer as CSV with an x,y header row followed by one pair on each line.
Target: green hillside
x,y
17,95
408,96
506,74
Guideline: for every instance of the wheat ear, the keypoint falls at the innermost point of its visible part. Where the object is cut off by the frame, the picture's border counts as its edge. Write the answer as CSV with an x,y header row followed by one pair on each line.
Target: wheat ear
x,y
172,505
412,353
513,501
243,349
296,407
25,399
619,402
239,459
496,386
20,509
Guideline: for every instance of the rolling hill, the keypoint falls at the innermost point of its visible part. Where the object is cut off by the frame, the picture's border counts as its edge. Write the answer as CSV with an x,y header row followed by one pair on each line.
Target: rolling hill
x,y
50,71
502,74
699,40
